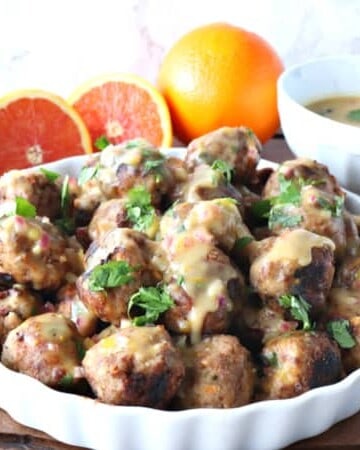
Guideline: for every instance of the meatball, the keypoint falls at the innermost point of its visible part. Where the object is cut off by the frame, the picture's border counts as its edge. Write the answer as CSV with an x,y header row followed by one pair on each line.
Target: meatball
x,y
135,366
34,251
343,303
220,217
121,167
113,214
203,283
297,262
297,362
205,183
351,356
238,147
46,347
316,211
219,374
35,187
307,170
69,305
17,303
129,249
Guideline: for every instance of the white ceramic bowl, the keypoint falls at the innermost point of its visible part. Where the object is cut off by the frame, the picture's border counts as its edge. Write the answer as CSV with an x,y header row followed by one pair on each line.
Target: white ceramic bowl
x,y
266,425
313,136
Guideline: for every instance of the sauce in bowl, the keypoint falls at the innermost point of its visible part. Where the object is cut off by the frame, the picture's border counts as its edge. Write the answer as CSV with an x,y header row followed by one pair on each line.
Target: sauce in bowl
x,y
345,109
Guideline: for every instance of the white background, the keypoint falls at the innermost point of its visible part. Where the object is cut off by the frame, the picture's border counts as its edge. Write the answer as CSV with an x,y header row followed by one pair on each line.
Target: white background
x,y
56,45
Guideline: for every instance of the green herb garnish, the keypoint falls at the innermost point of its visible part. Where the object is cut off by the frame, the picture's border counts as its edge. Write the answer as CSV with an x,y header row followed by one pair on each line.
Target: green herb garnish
x,y
154,164
133,143
271,359
80,349
110,275
242,242
299,309
354,115
50,175
279,216
139,209
153,301
180,280
101,142
87,174
24,208
340,331
224,168
66,381
66,222
335,208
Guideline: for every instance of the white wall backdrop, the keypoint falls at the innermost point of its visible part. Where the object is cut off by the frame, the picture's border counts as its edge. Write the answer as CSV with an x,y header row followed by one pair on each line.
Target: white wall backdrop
x,y
53,44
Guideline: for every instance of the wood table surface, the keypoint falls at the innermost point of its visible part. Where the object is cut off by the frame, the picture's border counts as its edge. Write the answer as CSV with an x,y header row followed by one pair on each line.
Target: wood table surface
x,y
342,436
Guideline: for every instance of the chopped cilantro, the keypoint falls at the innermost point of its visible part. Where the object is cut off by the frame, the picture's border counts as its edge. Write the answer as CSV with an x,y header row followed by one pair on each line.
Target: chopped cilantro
x,y
340,331
66,381
242,242
299,309
139,209
87,174
336,207
133,143
180,280
354,115
80,349
271,359
66,222
224,168
101,142
153,301
154,164
50,175
109,275
24,208
279,216
261,208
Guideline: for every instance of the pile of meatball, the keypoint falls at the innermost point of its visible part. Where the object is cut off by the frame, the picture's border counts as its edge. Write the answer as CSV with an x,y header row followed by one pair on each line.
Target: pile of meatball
x,y
228,337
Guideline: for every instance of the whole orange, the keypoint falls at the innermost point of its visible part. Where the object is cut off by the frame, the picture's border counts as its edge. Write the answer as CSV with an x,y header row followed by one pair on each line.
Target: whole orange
x,y
218,75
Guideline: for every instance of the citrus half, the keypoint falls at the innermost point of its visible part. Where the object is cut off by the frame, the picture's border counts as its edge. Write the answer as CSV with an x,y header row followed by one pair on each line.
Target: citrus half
x,y
121,107
38,127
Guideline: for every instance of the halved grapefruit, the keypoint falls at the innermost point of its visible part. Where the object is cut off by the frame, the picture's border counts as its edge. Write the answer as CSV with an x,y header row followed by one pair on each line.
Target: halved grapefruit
x,y
38,127
119,107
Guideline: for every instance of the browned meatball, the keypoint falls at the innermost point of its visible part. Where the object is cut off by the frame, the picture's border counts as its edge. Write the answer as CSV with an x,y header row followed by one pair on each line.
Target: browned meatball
x,y
135,366
351,356
34,251
308,170
343,303
113,214
297,262
35,187
316,211
69,304
297,362
204,284
128,248
121,167
205,183
238,147
220,217
17,303
219,374
46,347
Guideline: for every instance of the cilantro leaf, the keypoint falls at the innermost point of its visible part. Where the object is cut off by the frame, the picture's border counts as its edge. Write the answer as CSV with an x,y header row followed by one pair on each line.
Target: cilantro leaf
x,y
299,309
340,331
139,209
335,208
109,275
354,115
50,175
87,173
261,208
133,143
153,300
66,222
101,142
224,168
24,208
270,359
279,216
66,381
242,242
154,164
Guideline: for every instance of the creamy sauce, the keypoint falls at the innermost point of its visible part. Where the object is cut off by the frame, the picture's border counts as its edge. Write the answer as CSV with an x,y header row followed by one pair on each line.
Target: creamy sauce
x,y
296,245
342,109
205,279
